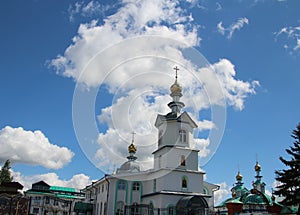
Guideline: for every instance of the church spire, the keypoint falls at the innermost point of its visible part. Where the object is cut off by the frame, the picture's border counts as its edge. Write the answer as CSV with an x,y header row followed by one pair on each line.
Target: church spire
x,y
176,93
132,149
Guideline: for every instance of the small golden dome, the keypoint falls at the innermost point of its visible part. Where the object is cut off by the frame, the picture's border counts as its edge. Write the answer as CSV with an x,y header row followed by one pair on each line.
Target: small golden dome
x,y
176,88
257,167
233,194
132,148
239,177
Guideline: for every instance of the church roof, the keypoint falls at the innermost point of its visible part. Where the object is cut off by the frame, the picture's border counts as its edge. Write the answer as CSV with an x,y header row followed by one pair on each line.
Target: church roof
x,y
255,198
184,118
129,166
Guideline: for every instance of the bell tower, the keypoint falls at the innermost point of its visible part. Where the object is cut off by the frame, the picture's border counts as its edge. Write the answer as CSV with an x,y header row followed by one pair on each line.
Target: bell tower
x,y
175,135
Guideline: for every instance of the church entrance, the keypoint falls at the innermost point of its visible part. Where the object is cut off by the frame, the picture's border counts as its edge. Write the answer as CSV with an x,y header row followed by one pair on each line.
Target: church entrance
x,y
191,205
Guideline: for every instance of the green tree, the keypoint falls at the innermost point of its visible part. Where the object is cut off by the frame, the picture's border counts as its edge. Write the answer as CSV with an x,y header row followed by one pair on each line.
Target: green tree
x,y
5,172
289,178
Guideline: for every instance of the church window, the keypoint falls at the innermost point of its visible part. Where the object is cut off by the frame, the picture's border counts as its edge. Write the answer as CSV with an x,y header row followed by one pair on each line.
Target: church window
x,y
182,162
171,211
184,182
105,208
151,208
120,208
154,185
101,208
134,209
182,136
136,186
121,185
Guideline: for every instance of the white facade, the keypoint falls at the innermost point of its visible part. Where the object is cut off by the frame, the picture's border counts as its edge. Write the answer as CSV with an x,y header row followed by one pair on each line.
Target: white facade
x,y
174,186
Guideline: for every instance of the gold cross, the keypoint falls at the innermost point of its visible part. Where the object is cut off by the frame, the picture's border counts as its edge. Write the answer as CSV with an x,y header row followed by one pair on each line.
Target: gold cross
x,y
133,133
176,69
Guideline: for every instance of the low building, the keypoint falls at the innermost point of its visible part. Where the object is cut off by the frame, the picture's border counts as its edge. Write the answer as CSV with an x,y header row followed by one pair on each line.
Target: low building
x,y
12,200
253,201
47,200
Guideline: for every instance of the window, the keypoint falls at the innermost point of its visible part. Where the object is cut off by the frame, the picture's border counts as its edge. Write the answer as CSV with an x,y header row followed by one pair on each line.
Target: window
x,y
151,208
182,136
47,200
35,210
102,188
101,208
182,163
184,182
121,185
120,208
136,186
134,209
154,185
171,211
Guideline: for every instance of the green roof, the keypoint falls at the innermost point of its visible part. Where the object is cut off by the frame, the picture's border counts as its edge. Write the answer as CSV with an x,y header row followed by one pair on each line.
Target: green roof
x,y
258,199
65,189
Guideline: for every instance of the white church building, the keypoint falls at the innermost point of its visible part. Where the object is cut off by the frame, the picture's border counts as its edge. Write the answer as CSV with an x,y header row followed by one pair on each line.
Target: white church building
x,y
175,185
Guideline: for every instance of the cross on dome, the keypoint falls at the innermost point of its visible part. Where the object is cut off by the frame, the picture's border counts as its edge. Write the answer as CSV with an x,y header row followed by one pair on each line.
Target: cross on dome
x,y
176,69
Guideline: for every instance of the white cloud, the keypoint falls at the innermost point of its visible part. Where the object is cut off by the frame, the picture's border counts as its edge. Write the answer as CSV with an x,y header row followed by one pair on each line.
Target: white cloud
x,y
78,181
221,193
32,147
233,27
89,9
132,53
290,36
219,6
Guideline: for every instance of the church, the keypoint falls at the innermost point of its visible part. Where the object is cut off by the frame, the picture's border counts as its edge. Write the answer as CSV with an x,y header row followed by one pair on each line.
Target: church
x,y
175,184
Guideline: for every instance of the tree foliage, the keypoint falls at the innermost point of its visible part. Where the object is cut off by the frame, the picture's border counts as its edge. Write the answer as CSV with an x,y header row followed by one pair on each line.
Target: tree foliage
x,y
5,175
289,178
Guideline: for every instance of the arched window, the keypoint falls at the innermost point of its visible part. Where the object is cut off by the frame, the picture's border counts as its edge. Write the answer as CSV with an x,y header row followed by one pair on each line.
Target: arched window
x,y
182,136
120,208
121,185
184,182
136,186
171,210
134,209
151,208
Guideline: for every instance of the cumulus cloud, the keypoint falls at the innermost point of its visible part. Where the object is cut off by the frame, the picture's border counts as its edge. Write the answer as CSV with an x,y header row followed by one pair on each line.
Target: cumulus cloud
x,y
132,54
232,28
221,193
32,147
290,36
78,181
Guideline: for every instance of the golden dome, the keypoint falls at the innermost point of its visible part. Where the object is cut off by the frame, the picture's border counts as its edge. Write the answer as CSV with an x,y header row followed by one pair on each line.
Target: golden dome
x,y
239,177
132,148
176,88
257,167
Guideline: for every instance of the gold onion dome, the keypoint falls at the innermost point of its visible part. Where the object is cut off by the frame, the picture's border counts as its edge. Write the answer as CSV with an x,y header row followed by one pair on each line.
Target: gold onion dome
x,y
176,88
257,167
239,177
132,148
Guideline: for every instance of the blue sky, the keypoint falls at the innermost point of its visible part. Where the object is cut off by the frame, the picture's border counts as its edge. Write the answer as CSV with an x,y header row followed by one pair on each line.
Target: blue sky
x,y
54,85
